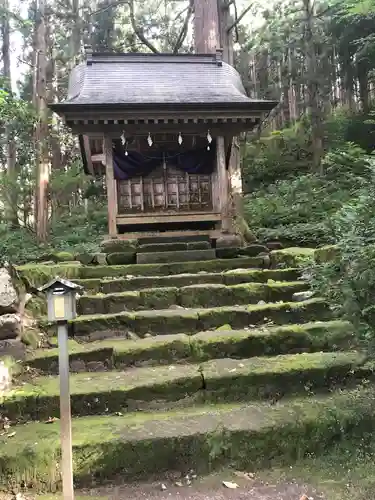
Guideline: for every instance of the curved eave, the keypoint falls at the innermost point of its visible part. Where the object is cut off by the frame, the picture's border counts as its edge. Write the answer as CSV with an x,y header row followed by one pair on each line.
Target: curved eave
x,y
253,105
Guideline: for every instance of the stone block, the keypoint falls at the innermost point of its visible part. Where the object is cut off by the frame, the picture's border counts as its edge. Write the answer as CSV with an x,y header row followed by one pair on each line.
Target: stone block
x,y
227,252
254,250
121,258
10,326
115,246
162,247
179,256
8,294
228,241
13,348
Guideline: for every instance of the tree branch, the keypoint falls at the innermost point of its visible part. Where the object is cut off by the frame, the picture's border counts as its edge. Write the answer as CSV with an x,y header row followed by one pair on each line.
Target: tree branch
x,y
138,31
180,14
239,18
107,7
184,29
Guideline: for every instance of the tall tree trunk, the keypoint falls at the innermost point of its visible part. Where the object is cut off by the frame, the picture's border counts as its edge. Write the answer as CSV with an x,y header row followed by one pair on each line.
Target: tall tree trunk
x,y
76,31
292,92
41,132
11,150
363,81
206,26
312,86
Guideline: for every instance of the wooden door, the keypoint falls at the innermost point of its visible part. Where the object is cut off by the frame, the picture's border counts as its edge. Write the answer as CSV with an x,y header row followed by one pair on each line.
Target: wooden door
x,y
165,189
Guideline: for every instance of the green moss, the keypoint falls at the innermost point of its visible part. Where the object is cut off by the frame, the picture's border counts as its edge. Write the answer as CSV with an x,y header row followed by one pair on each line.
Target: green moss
x,y
158,350
284,291
224,328
90,285
158,298
166,322
310,337
115,246
292,257
100,259
223,378
37,306
114,323
38,274
31,338
237,277
86,258
91,304
294,312
140,445
221,343
63,256
102,392
190,321
126,301
232,277
278,375
327,253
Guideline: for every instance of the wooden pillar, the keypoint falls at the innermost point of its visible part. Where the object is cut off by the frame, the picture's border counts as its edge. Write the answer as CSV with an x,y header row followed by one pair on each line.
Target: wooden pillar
x,y
235,176
111,187
222,185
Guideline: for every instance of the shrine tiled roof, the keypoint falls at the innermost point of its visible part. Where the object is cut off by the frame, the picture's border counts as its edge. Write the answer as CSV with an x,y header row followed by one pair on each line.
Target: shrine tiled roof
x,y
157,79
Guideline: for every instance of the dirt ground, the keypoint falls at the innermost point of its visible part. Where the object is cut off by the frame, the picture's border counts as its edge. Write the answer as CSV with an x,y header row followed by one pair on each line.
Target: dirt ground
x,y
208,489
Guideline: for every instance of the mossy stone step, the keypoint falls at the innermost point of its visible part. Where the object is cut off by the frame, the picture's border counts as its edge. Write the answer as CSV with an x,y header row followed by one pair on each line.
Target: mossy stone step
x,y
227,379
171,247
140,445
118,354
232,277
191,321
175,256
151,240
207,295
39,274
292,257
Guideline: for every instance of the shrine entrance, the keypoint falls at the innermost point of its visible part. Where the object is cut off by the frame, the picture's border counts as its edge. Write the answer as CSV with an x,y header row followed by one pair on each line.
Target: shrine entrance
x,y
166,189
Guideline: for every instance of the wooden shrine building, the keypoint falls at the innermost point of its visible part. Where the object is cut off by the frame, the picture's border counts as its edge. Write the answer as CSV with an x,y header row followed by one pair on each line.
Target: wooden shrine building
x,y
160,128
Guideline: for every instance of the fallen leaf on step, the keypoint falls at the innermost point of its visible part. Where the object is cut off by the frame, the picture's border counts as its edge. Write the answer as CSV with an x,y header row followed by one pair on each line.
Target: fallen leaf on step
x,y
51,420
163,487
244,475
11,434
230,485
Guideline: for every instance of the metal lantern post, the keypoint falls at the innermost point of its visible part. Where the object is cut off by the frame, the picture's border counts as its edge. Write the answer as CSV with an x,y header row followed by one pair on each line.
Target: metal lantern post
x,y
61,302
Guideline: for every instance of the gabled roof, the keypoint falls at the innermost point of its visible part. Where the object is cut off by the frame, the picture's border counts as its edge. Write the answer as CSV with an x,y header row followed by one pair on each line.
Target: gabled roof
x,y
157,80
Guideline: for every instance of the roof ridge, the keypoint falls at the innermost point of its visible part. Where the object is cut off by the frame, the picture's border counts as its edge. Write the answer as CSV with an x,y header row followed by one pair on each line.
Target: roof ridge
x,y
164,58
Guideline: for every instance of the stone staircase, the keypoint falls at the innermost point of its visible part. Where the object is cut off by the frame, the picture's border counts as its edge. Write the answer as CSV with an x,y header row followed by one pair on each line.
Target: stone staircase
x,y
187,365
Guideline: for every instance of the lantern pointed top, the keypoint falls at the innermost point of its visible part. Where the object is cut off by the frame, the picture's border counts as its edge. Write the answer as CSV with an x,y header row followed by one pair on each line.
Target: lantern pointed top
x,y
60,283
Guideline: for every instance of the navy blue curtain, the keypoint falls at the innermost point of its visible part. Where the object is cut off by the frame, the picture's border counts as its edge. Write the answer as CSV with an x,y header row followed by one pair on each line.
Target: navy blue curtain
x,y
134,164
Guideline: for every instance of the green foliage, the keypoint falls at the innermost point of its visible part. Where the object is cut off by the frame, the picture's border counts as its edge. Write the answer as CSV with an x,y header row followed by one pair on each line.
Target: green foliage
x,y
297,210
349,280
281,155
75,232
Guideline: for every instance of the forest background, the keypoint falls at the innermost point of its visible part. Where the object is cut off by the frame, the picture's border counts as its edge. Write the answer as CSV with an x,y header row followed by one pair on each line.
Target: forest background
x,y
308,170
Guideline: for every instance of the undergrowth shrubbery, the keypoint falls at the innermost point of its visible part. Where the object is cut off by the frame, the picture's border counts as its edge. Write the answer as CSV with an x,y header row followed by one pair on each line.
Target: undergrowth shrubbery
x,y
298,210
349,280
75,231
336,206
